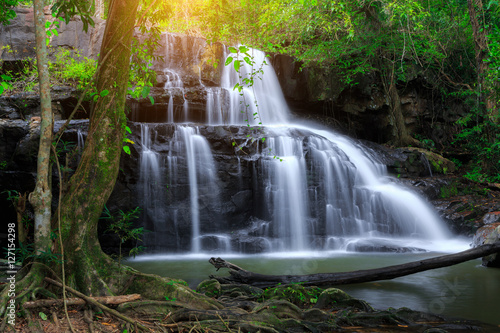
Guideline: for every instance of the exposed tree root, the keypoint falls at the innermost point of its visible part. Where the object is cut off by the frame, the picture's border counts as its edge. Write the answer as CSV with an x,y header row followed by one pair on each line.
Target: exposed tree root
x,y
113,300
99,305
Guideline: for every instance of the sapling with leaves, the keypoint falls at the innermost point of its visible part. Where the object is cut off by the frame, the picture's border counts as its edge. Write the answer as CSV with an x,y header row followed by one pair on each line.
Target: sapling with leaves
x,y
121,224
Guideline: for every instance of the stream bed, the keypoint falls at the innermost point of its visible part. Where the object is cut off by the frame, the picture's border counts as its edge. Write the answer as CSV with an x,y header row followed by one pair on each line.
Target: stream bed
x,y
466,290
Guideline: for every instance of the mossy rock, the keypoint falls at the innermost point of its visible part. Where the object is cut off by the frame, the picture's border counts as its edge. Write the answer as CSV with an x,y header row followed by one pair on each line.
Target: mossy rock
x,y
336,299
295,293
330,297
280,309
211,288
437,163
154,287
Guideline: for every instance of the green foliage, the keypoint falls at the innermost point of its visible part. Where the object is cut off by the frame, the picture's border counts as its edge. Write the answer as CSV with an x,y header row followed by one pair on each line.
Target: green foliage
x,y
294,293
71,68
121,224
7,12
481,137
26,253
126,148
68,9
68,68
426,143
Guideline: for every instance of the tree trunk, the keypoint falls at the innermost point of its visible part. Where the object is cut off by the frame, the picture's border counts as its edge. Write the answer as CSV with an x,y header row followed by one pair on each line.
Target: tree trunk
x,y
400,135
239,275
480,33
88,268
41,197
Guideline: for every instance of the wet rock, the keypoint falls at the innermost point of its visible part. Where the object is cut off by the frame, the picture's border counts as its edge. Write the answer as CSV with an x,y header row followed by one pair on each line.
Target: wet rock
x,y
489,234
380,246
492,217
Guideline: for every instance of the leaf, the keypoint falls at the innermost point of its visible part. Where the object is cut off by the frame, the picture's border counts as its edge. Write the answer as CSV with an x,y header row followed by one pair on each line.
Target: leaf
x,y
126,149
127,140
152,100
1,89
104,93
237,65
233,49
244,49
42,315
128,129
247,60
145,91
5,77
228,61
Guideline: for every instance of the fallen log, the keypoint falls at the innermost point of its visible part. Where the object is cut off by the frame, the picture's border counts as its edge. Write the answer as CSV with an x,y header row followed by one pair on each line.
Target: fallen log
x,y
108,300
240,275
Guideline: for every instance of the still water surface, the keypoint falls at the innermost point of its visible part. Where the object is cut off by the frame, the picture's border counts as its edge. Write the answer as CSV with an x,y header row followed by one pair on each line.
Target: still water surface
x,y
467,290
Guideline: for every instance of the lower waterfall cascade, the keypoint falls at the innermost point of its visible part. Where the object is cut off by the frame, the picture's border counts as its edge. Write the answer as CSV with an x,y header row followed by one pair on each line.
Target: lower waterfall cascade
x,y
290,188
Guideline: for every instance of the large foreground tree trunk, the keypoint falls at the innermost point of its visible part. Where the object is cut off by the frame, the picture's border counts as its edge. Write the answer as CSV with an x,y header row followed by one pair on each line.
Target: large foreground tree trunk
x,y
88,268
240,275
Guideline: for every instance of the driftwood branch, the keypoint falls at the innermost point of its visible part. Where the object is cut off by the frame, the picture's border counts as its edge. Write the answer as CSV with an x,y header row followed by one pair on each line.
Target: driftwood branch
x,y
99,305
239,275
108,300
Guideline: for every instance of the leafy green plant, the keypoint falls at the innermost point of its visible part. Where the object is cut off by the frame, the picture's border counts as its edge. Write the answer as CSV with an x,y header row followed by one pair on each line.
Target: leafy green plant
x,y
71,68
26,253
481,137
121,224
294,293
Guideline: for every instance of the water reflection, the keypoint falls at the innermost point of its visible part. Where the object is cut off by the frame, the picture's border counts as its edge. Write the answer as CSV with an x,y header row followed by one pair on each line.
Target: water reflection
x,y
467,290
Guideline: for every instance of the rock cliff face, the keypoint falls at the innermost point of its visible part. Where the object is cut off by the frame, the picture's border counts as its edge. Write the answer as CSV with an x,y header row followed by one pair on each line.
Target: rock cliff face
x,y
17,40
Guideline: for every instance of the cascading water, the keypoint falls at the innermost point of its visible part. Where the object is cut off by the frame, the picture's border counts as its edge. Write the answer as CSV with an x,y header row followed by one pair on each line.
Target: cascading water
x,y
301,188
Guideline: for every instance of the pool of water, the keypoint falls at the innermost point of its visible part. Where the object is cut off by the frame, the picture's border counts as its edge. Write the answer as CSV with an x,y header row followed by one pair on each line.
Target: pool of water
x,y
467,290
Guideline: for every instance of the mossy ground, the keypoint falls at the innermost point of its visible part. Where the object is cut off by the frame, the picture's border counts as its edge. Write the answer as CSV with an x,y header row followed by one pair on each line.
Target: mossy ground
x,y
240,308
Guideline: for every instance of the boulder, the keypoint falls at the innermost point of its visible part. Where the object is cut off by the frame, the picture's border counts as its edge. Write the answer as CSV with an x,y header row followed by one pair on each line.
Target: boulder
x,y
489,234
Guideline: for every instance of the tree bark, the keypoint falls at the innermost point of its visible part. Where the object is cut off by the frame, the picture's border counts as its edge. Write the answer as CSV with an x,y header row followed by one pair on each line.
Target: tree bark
x,y
89,269
41,197
240,275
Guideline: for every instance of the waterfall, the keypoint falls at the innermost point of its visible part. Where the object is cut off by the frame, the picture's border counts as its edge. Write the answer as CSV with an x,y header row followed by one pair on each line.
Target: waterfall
x,y
298,188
